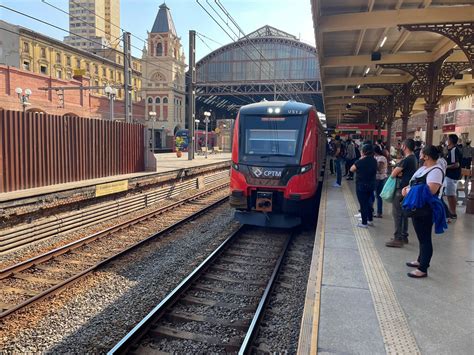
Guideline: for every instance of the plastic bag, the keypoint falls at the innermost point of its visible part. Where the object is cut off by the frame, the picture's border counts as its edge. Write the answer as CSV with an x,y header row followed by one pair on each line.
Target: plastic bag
x,y
388,190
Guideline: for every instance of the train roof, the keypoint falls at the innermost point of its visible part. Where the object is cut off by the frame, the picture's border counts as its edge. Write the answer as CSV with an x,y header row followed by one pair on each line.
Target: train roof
x,y
286,108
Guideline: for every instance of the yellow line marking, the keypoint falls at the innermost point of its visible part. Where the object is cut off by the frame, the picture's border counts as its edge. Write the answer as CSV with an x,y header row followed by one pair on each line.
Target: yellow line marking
x,y
308,340
396,332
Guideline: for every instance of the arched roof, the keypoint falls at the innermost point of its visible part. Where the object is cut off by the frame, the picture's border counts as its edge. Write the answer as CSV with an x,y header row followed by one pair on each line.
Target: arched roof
x,y
267,63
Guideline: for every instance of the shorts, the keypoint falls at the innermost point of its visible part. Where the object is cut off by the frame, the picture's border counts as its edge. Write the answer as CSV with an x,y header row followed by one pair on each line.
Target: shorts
x,y
451,187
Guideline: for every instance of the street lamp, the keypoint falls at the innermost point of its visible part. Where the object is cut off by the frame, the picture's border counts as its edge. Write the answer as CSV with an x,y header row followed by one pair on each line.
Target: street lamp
x,y
24,98
195,134
206,121
111,94
152,115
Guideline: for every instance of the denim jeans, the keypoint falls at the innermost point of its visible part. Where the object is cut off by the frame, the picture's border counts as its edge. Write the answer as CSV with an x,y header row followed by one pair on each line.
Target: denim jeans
x,y
364,191
399,220
378,189
338,163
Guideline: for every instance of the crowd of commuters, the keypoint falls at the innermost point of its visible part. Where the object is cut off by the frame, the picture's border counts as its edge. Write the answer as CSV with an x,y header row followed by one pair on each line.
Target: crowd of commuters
x,y
421,174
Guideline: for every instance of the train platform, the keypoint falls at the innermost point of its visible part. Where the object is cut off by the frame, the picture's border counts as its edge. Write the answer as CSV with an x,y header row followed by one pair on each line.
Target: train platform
x,y
168,167
359,298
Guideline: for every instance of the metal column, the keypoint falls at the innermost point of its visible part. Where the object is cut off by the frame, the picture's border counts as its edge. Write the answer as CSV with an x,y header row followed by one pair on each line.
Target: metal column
x,y
127,77
191,95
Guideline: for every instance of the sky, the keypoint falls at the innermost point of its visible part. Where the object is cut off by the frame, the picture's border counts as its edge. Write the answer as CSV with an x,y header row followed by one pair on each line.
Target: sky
x,y
137,16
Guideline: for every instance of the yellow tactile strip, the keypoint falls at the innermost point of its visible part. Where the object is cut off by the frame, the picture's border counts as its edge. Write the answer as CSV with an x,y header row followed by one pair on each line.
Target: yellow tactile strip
x,y
397,335
308,339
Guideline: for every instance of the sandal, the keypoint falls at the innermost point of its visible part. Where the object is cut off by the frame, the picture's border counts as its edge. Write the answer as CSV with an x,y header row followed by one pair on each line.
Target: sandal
x,y
417,274
413,264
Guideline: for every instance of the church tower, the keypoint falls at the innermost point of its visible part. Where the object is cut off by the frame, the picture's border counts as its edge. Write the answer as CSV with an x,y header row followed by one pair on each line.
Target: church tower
x,y
164,80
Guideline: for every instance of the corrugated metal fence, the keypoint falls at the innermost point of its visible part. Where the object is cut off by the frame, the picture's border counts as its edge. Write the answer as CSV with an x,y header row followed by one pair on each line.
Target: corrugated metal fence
x,y
39,150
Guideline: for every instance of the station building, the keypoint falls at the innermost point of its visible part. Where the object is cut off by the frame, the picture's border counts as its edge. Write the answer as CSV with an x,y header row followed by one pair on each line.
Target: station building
x,y
163,87
37,54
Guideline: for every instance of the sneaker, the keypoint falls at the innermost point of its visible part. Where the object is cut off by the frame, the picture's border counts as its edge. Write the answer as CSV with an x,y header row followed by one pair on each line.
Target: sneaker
x,y
378,216
360,225
405,240
454,216
358,215
394,243
336,185
370,223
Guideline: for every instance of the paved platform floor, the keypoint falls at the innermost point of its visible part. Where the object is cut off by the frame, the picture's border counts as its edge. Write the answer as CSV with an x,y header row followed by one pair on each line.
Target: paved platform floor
x,y
166,162
368,305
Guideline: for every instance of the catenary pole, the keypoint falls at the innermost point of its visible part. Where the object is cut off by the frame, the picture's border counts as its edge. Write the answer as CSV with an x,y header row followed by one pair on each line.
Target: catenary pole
x,y
126,75
191,95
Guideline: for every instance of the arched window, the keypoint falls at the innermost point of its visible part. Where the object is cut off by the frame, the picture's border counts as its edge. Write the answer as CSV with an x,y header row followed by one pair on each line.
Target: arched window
x,y
150,100
157,100
165,100
159,50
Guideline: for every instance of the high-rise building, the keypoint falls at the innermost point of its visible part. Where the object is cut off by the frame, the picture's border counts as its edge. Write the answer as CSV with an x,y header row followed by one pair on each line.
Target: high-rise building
x,y
94,24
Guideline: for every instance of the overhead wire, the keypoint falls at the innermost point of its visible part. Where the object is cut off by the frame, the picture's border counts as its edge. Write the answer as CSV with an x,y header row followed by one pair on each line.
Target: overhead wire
x,y
231,18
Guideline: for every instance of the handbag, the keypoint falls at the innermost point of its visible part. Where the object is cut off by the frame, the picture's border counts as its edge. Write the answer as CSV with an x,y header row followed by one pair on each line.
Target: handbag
x,y
388,190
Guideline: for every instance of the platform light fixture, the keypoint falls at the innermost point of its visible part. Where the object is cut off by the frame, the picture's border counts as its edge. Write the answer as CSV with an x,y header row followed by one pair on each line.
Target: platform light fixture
x,y
383,41
358,86
24,98
367,71
111,94
207,114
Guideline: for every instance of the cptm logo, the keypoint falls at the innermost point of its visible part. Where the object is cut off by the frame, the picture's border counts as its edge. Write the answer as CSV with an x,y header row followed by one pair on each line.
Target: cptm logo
x,y
266,173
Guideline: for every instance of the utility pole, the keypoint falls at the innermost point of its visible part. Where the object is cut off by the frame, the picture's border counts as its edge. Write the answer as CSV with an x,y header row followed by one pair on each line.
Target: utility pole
x,y
191,94
127,70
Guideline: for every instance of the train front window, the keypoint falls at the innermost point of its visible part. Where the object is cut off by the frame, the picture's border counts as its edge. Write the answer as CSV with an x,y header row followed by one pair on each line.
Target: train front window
x,y
271,139
271,142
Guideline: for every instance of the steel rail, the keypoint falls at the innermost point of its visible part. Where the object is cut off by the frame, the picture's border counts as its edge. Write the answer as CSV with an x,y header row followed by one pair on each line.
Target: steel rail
x,y
18,236
74,245
130,340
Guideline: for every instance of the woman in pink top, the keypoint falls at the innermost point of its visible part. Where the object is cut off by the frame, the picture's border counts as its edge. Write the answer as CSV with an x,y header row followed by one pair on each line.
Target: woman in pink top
x,y
381,177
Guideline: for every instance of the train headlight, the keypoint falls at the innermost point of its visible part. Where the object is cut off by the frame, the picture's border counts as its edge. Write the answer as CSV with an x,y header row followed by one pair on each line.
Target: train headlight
x,y
277,110
235,166
270,110
306,168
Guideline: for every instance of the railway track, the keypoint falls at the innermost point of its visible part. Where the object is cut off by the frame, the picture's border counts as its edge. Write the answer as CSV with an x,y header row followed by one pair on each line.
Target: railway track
x,y
25,233
27,282
217,308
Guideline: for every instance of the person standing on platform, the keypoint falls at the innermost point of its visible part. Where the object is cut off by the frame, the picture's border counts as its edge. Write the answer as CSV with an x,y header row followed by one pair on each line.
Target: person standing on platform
x,y
403,172
339,155
350,157
381,177
430,174
417,151
466,155
366,169
453,173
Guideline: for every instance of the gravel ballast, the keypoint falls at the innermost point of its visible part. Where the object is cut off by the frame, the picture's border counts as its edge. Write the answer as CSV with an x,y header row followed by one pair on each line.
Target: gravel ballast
x,y
94,314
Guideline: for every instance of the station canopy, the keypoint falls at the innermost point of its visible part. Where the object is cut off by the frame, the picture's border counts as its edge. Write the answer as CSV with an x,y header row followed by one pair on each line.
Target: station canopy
x,y
265,64
368,50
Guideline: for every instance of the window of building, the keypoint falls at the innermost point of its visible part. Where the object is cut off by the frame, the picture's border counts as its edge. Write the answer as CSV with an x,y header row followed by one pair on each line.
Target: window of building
x,y
150,100
68,75
165,100
111,74
43,52
59,74
104,72
96,69
96,83
58,57
68,60
119,74
26,65
158,100
159,50
78,63
26,47
43,69
134,82
88,67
